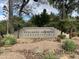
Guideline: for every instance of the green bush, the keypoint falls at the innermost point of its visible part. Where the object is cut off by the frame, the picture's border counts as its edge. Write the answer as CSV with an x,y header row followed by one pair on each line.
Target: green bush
x,y
1,42
50,56
61,36
9,40
78,34
69,45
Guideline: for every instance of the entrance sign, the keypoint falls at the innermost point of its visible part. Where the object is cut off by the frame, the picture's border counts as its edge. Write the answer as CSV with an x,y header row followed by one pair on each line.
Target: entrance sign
x,y
38,32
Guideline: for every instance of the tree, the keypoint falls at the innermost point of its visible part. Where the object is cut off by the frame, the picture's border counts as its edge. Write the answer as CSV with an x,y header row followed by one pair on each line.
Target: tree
x,y
54,21
65,7
71,27
29,24
3,27
8,12
23,9
67,26
18,23
9,9
77,18
41,20
22,5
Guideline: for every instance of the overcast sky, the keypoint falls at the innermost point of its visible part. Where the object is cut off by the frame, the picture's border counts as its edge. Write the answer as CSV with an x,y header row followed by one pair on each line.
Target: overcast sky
x,y
35,11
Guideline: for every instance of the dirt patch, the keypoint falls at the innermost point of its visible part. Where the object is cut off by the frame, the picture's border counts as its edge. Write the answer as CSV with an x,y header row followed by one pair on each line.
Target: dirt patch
x,y
18,50
43,45
76,40
33,50
64,57
20,41
11,55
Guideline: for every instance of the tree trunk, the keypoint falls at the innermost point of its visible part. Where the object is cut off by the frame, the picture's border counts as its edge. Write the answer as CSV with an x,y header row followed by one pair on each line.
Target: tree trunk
x,y
10,16
71,31
18,34
61,33
22,6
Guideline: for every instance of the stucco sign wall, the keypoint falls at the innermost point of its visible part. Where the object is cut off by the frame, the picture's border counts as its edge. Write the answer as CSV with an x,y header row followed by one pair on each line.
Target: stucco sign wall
x,y
38,32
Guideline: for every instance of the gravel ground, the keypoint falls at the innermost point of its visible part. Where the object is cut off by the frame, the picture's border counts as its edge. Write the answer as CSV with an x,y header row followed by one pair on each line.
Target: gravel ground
x,y
34,47
42,45
11,55
12,51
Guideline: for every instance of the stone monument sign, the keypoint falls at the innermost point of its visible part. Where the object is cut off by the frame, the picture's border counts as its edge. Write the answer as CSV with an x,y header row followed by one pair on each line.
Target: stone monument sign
x,y
38,32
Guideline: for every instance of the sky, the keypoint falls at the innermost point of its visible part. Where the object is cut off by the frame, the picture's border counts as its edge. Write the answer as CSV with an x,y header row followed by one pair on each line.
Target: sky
x,y
37,10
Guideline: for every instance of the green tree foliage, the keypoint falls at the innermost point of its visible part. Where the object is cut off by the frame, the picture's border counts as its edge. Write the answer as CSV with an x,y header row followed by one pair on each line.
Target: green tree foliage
x,y
18,23
69,25
30,24
77,22
3,26
54,21
41,20
77,18
65,7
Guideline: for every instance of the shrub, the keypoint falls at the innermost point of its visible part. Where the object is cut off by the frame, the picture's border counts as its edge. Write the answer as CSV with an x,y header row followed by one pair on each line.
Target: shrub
x,y
78,34
1,42
69,45
61,36
74,34
9,40
58,39
50,56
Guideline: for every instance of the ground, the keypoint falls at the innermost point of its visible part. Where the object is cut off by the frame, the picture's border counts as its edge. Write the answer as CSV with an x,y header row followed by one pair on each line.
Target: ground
x,y
28,49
